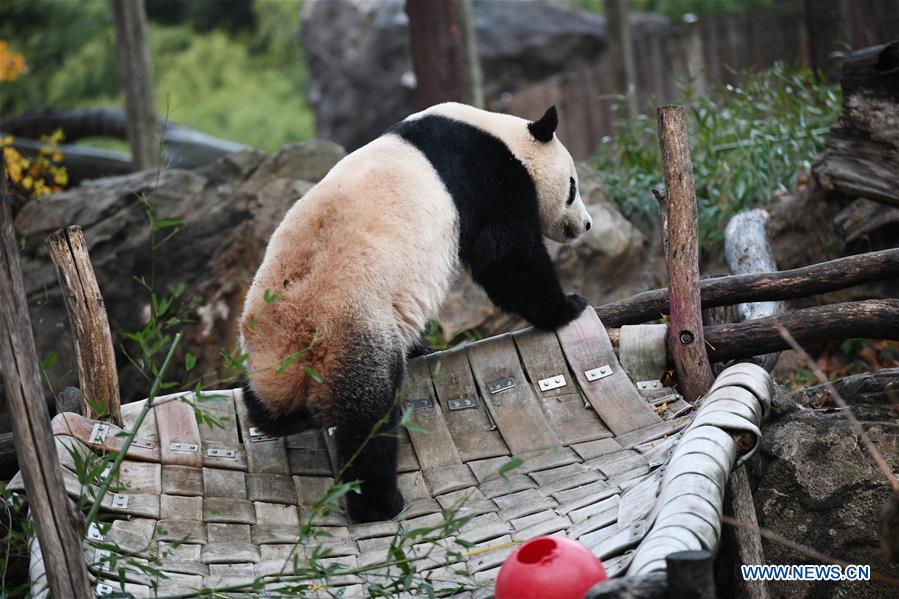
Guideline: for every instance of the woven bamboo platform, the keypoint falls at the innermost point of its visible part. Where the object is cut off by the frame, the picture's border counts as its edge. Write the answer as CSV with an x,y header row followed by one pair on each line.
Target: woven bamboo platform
x,y
611,457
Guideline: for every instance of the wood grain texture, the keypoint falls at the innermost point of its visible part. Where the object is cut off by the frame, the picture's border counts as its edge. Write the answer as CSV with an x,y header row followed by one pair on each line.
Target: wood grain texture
x,y
433,445
564,407
682,259
59,537
521,422
94,352
614,397
746,541
861,155
784,285
474,433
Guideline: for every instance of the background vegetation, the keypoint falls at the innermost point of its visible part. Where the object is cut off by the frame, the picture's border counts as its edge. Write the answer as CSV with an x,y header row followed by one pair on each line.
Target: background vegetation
x,y
747,143
231,69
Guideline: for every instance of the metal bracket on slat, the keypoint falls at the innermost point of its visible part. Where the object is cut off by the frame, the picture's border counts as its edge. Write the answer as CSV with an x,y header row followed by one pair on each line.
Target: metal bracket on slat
x,y
637,530
142,442
98,433
93,533
649,385
501,385
103,589
462,403
215,452
120,501
420,404
553,382
598,373
184,447
102,554
258,435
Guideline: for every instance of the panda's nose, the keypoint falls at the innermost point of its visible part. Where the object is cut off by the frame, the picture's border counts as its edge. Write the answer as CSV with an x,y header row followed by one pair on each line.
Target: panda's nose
x,y
587,225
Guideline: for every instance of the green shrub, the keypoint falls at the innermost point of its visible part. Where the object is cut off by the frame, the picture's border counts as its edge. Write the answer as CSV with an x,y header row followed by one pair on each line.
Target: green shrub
x,y
746,143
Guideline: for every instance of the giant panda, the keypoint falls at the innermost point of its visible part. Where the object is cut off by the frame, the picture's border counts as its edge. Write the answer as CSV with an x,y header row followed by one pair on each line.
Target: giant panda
x,y
358,266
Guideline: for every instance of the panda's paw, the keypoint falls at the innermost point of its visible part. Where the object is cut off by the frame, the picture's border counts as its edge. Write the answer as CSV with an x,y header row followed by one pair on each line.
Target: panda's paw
x,y
365,508
576,305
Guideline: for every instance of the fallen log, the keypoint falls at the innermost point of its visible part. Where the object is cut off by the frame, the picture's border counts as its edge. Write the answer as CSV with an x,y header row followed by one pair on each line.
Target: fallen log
x,y
784,285
869,319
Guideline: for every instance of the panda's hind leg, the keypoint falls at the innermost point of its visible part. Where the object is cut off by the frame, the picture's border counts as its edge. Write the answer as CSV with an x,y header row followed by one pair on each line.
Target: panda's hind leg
x,y
365,395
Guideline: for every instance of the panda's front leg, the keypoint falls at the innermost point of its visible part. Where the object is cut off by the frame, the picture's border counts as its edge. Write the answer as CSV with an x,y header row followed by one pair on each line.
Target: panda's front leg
x,y
515,270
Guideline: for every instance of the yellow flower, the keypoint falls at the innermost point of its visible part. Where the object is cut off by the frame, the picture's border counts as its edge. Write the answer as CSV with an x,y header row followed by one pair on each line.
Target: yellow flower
x,y
12,64
27,182
57,156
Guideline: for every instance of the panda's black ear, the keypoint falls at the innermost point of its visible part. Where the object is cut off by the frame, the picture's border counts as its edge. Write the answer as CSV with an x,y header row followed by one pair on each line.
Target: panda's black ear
x,y
543,129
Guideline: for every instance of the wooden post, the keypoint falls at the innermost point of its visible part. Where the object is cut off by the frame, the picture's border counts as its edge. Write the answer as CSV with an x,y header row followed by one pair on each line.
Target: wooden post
x,y
685,326
621,52
690,575
136,75
54,520
435,42
90,327
474,84
747,541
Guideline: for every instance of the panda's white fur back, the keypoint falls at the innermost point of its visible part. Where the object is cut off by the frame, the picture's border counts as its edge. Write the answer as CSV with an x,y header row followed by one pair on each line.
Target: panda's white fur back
x,y
373,246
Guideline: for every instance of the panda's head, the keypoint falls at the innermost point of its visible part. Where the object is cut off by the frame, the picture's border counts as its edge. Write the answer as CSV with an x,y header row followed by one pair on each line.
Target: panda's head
x,y
563,215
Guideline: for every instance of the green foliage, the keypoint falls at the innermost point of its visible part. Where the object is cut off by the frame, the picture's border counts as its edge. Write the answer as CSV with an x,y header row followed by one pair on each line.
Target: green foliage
x,y
246,84
746,143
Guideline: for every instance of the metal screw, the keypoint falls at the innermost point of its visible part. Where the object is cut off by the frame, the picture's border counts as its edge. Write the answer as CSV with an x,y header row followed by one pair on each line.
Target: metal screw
x,y
686,337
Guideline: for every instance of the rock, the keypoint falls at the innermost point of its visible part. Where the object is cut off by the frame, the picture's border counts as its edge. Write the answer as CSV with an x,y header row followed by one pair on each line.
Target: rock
x,y
357,90
818,487
228,210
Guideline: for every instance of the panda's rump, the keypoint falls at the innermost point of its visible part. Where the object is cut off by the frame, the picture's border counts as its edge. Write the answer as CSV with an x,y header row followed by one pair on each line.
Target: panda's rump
x,y
349,279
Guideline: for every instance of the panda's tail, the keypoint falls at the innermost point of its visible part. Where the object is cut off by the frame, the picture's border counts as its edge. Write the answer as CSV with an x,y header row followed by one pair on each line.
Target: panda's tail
x,y
282,425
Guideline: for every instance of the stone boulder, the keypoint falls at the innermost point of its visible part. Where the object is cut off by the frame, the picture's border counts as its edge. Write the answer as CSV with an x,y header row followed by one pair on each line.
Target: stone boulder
x,y
360,71
817,486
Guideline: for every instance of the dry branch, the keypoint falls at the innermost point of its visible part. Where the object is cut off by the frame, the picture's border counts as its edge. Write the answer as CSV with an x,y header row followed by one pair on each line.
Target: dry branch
x,y
59,539
87,318
784,285
682,258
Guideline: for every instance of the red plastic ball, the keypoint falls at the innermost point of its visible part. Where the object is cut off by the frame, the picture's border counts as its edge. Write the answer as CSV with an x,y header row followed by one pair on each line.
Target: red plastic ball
x,y
549,568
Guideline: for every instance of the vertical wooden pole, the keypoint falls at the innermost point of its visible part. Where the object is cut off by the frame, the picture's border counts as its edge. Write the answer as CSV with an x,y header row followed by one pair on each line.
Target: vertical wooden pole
x,y
621,52
54,521
686,338
474,85
690,575
136,75
88,322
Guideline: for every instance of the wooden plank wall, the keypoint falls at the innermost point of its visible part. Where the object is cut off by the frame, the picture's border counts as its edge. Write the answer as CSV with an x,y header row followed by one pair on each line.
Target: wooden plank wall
x,y
730,44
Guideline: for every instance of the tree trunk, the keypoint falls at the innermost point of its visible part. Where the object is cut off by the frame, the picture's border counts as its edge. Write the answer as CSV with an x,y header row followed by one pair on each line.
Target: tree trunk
x,y
621,52
438,53
861,157
827,26
136,75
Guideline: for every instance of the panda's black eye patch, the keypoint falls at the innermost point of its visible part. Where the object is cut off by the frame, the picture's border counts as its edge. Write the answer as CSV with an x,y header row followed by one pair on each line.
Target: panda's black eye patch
x,y
572,189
